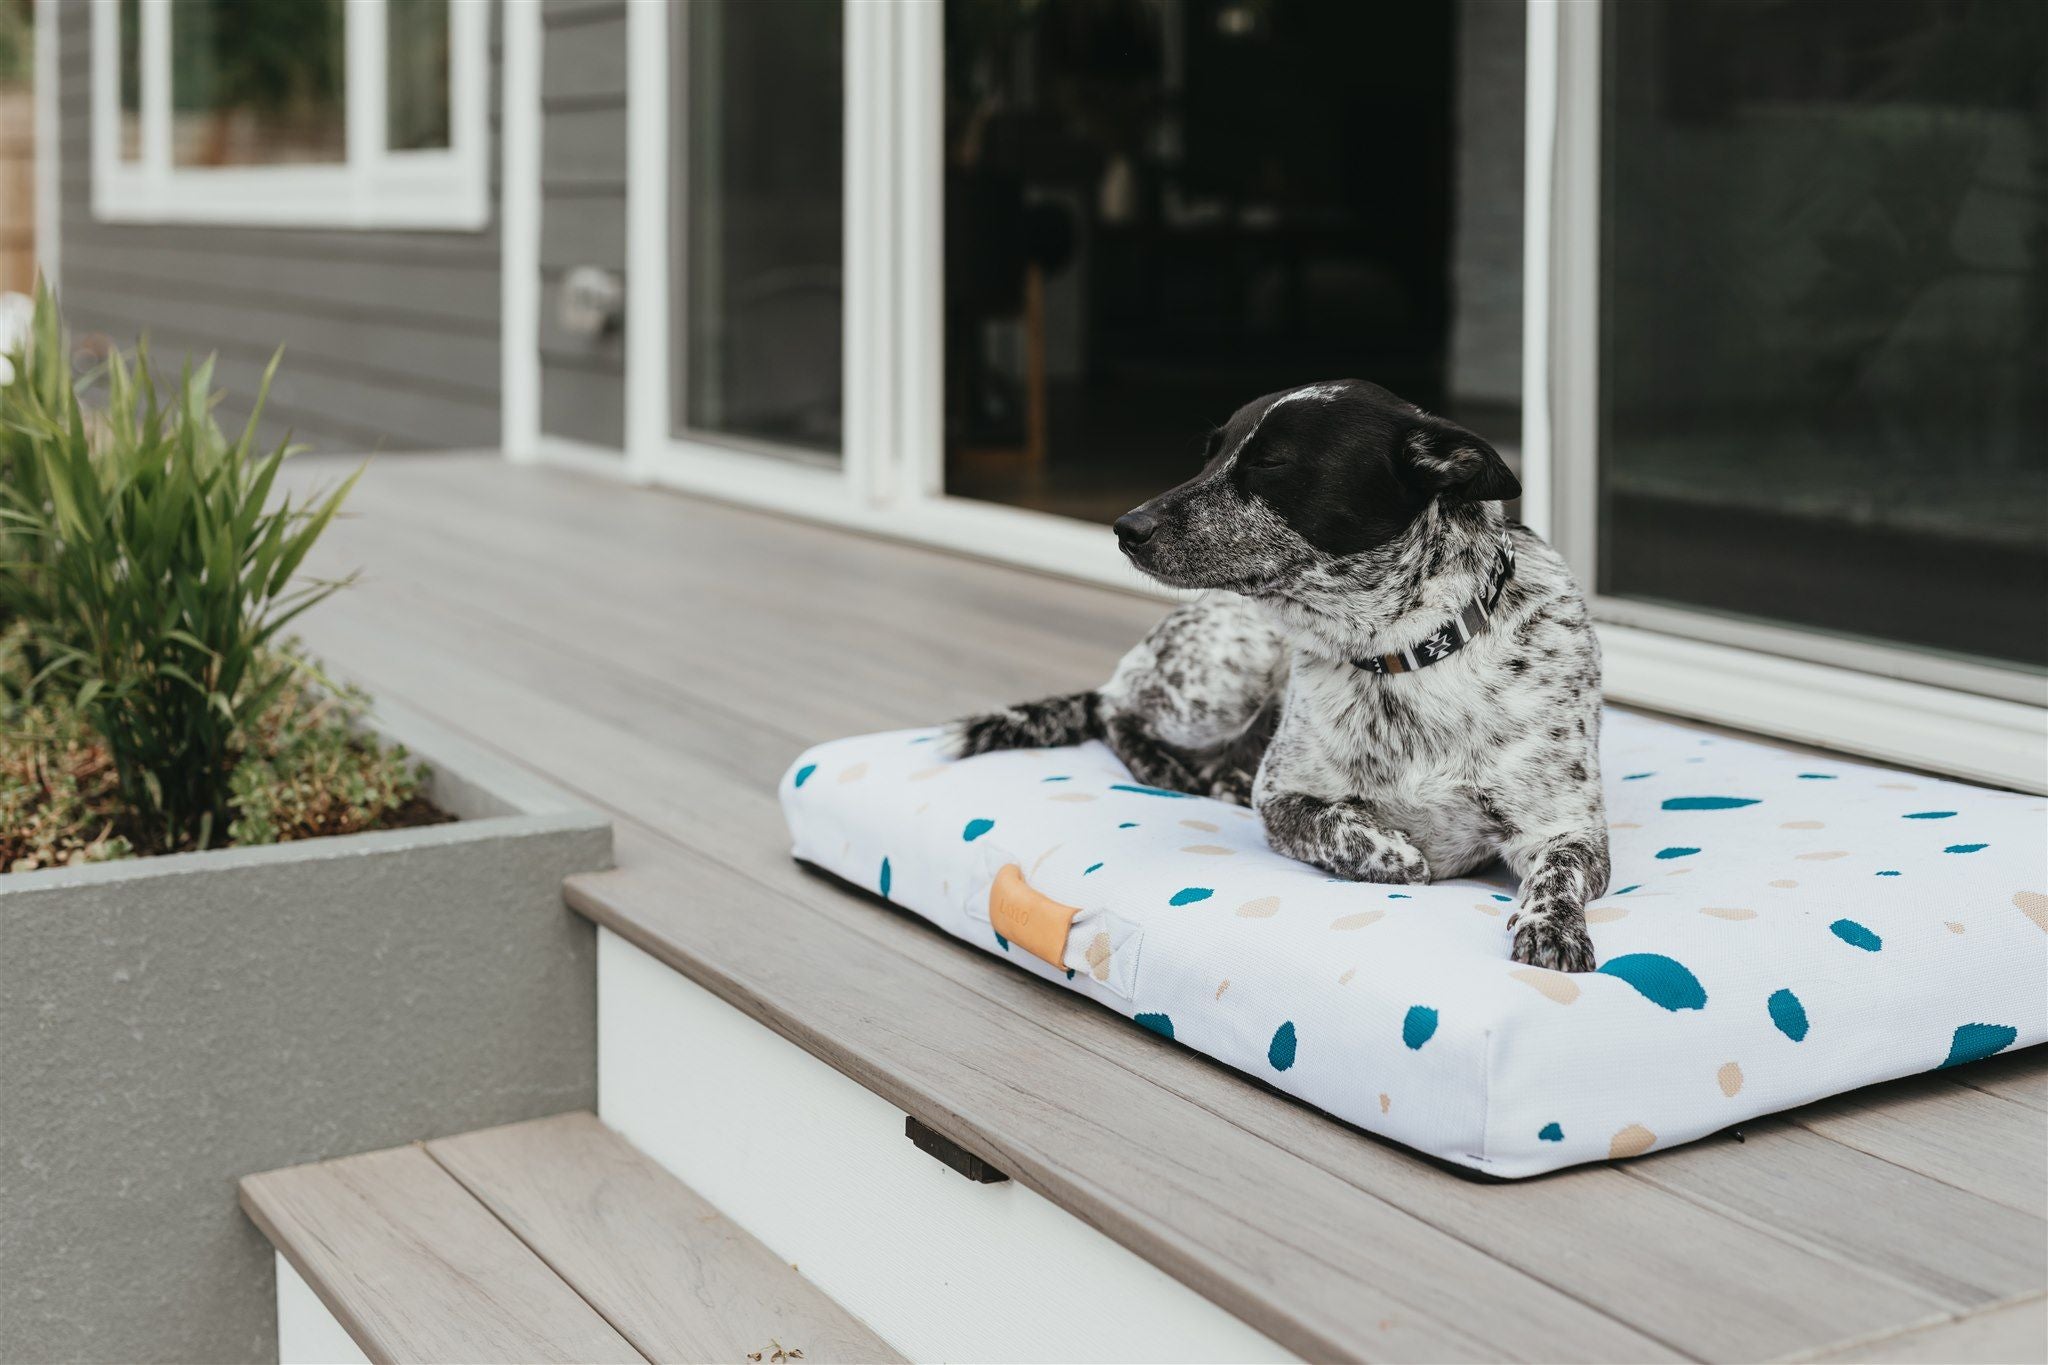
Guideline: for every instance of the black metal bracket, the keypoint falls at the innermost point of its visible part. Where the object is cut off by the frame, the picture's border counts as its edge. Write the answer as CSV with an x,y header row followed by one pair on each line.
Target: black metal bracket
x,y
937,1144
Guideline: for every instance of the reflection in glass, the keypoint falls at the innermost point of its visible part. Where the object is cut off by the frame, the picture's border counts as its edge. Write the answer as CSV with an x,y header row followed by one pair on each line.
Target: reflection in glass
x,y
416,75
257,82
129,21
1158,209
1824,381
760,348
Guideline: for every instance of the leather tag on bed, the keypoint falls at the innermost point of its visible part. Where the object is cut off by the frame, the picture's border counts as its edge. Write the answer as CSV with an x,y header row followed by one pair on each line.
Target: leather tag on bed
x,y
1030,919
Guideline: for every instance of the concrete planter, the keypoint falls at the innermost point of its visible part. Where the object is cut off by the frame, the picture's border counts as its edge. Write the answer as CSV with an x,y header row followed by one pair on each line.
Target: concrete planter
x,y
168,1025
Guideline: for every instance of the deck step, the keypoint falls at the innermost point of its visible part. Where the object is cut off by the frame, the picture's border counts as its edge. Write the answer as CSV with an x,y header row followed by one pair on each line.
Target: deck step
x,y
550,1240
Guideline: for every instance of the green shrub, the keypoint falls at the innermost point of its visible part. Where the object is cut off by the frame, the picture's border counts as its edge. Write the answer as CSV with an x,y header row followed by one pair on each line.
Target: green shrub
x,y
152,574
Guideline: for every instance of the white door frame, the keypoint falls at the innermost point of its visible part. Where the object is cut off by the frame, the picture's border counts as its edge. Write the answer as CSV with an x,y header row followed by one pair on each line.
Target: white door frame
x,y
890,479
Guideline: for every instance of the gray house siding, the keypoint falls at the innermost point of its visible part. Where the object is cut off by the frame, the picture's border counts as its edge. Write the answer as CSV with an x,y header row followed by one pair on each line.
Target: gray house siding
x,y
582,211
391,338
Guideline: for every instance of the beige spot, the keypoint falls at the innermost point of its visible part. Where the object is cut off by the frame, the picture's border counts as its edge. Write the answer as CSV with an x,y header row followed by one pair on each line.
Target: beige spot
x,y
2033,905
1727,912
1209,850
1785,884
1098,957
1730,1077
1487,907
945,888
1955,926
1357,921
1826,857
1678,872
1202,825
1042,857
1633,1140
857,772
1624,824
1222,988
1345,979
1385,1103
1606,914
922,808
1898,786
1265,907
1559,986
1073,796
1802,824
921,775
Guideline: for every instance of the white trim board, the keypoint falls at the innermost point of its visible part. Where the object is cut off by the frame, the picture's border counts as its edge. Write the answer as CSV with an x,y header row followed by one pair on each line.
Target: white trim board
x,y
519,207
817,1167
308,1333
373,187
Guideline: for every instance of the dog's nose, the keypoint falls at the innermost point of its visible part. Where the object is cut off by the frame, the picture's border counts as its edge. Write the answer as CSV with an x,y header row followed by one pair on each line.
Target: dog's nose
x,y
1135,528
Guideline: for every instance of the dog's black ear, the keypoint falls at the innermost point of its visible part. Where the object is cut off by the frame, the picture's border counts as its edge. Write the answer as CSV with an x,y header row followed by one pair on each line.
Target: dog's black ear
x,y
1447,461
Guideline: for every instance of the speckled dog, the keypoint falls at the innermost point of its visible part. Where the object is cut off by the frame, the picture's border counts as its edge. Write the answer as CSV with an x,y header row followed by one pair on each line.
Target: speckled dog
x,y
1401,681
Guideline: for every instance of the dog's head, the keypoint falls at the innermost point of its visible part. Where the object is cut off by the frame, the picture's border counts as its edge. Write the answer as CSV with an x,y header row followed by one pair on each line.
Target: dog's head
x,y
1297,480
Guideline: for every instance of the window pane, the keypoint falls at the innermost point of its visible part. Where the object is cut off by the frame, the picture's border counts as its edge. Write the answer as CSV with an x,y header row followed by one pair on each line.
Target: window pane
x,y
1825,316
257,82
416,71
1157,210
130,22
761,241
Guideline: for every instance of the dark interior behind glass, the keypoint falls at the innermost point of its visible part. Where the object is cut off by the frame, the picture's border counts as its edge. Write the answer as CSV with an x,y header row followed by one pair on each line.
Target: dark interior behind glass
x,y
1824,379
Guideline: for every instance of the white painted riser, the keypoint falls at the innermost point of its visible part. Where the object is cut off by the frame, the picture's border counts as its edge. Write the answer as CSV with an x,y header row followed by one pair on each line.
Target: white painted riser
x,y
818,1168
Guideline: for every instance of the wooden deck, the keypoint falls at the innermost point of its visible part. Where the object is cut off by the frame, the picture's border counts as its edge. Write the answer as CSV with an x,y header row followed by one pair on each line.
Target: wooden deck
x,y
666,658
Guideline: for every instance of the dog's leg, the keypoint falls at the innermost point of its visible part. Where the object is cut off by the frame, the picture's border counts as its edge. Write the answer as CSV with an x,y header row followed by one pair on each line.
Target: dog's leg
x,y
1559,875
1344,837
1045,724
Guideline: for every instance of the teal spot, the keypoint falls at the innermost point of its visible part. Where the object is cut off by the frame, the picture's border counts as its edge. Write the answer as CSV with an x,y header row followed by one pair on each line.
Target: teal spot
x,y
1418,1026
1550,1132
1964,848
1158,1023
1005,942
975,829
1889,872
1637,777
1188,895
885,877
1661,980
1817,777
1929,815
1145,791
1788,1014
924,739
1399,896
1975,1042
1128,824
1092,867
1856,935
1070,973
1676,852
1708,802
1061,778
1281,1051
803,774
1633,886
1499,897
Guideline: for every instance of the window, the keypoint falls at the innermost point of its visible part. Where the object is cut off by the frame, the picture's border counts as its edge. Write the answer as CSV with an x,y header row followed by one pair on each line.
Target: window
x,y
761,137
302,113
1824,303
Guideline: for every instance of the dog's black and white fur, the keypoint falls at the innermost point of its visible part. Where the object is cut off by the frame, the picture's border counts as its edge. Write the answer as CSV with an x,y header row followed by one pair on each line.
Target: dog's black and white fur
x,y
1332,523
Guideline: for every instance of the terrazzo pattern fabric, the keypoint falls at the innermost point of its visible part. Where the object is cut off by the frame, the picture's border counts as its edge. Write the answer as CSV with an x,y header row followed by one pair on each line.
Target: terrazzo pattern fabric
x,y
1781,928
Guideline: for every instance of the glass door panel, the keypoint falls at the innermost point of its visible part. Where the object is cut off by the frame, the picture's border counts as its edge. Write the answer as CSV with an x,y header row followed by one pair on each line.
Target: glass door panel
x,y
1158,209
1824,317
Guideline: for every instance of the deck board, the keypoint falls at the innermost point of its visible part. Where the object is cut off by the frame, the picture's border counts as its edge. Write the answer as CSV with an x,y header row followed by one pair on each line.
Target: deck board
x,y
666,658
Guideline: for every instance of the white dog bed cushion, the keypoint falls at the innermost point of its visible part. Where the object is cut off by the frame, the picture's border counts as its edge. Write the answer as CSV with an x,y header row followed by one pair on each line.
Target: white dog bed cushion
x,y
1781,927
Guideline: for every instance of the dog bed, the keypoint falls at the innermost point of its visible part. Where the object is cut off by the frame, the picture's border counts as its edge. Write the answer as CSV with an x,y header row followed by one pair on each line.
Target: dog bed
x,y
1780,928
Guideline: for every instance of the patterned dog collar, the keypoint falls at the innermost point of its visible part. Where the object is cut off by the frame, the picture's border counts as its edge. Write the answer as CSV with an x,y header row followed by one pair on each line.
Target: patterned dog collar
x,y
1452,636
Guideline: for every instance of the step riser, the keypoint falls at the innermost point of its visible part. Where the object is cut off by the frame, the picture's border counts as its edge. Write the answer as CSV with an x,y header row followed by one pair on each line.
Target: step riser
x,y
817,1167
307,1334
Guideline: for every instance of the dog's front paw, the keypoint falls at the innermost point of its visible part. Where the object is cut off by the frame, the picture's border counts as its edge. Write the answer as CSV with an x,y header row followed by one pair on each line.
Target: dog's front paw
x,y
1562,945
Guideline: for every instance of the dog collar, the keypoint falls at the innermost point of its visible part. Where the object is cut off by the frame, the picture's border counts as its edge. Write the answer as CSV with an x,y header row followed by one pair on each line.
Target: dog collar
x,y
1453,635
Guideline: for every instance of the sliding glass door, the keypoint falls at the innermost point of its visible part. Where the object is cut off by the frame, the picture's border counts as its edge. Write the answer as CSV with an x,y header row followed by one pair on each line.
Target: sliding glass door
x,y
1823,316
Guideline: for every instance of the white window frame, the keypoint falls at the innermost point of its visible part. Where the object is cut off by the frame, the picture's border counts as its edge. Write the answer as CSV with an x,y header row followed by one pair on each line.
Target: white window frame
x,y
374,187
1889,704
